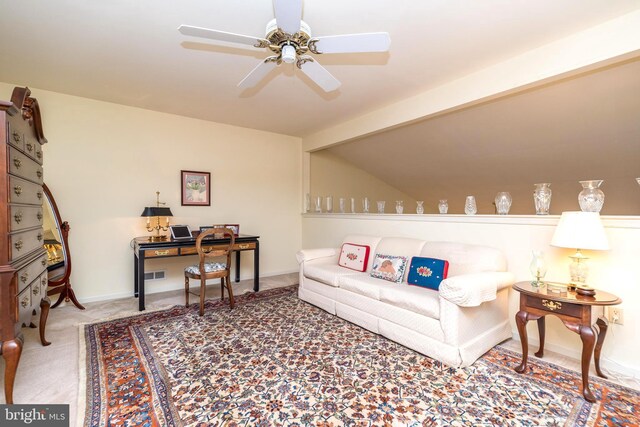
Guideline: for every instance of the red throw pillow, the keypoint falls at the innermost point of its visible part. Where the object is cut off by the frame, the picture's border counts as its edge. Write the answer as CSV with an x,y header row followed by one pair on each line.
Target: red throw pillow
x,y
354,256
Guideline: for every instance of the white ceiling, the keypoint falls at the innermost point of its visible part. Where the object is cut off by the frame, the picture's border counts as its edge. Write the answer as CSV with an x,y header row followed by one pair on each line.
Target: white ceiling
x,y
129,52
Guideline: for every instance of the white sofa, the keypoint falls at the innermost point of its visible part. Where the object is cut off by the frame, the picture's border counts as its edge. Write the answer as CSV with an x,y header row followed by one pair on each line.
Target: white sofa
x,y
456,324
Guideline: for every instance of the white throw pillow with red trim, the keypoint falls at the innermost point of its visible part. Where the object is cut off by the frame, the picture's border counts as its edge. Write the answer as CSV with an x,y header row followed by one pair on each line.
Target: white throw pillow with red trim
x,y
354,256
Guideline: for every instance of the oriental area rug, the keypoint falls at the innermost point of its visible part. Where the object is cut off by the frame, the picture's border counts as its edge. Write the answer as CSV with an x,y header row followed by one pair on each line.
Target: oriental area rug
x,y
277,361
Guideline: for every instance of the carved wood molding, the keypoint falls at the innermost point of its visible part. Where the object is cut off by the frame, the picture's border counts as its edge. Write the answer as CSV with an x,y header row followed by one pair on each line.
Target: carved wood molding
x,y
30,110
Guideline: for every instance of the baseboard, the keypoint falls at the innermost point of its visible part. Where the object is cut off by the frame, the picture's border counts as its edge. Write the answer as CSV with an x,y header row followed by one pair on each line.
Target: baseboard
x,y
576,354
170,287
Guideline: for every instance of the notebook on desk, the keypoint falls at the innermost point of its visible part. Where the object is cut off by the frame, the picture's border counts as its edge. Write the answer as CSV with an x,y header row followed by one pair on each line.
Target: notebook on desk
x,y
180,232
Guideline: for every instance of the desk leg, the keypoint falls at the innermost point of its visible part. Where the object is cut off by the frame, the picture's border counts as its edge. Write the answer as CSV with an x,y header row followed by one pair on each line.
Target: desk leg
x,y
237,266
140,280
603,325
541,332
256,267
522,317
135,275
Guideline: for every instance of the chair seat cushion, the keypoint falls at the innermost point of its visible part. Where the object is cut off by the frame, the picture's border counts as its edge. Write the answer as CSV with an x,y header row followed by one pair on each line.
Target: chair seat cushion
x,y
209,267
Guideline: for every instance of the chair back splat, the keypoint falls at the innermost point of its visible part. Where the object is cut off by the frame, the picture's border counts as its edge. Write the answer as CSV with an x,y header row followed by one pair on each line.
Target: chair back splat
x,y
214,263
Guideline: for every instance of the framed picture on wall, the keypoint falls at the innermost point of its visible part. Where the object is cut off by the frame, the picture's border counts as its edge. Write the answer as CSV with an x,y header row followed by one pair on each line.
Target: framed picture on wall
x,y
234,227
195,188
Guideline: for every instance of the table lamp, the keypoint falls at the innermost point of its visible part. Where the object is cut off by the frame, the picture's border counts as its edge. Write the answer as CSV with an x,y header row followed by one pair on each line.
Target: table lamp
x,y
580,230
157,211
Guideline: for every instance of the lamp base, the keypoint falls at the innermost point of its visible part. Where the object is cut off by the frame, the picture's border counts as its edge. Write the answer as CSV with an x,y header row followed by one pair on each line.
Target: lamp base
x,y
157,238
586,291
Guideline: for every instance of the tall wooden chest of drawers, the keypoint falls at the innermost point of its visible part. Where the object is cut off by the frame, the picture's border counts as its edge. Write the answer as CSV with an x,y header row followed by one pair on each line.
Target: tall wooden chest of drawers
x,y
23,260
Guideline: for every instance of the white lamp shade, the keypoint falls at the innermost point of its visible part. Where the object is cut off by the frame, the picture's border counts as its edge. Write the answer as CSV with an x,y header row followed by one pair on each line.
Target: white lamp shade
x,y
580,230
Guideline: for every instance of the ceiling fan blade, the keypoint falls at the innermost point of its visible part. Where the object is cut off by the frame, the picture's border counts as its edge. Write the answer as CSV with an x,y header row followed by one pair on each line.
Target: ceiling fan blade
x,y
318,74
206,33
348,43
259,72
288,15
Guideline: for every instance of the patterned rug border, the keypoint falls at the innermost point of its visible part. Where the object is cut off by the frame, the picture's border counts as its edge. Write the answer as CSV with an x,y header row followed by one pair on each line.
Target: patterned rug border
x,y
582,414
242,299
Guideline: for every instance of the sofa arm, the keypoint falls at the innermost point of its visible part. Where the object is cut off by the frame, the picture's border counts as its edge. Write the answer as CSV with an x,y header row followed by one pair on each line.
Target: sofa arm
x,y
471,290
305,255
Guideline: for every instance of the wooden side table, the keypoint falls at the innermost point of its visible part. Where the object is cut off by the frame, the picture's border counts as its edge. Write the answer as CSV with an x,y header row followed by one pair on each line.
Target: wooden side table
x,y
574,311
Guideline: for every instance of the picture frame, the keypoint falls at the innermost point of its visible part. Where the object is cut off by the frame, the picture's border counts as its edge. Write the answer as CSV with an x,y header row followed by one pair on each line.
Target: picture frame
x,y
234,227
195,188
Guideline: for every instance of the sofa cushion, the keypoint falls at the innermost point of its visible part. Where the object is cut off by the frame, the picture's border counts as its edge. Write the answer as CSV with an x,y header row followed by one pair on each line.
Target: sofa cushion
x,y
354,257
389,267
327,273
366,285
465,258
416,299
427,272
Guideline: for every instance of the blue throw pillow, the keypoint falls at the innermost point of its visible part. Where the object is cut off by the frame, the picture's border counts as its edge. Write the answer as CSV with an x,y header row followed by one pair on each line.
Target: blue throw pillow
x,y
427,272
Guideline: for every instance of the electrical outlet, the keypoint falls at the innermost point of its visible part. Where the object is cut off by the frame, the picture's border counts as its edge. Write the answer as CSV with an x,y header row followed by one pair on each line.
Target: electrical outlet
x,y
616,315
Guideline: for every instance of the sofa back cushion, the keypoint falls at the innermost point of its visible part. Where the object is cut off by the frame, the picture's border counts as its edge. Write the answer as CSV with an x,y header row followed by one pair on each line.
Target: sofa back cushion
x,y
364,240
465,258
400,246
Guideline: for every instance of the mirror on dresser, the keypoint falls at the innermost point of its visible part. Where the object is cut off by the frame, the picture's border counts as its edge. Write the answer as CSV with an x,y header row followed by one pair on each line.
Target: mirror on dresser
x,y
56,243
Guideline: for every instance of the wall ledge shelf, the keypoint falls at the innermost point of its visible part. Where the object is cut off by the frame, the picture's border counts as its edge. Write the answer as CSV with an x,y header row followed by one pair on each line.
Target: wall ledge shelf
x,y
609,221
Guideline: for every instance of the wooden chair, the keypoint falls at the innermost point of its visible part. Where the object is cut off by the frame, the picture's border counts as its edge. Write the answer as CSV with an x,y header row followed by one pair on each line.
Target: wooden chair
x,y
212,270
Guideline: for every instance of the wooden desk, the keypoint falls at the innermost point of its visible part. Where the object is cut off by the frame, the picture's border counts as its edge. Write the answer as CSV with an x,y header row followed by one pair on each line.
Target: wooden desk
x,y
575,312
144,249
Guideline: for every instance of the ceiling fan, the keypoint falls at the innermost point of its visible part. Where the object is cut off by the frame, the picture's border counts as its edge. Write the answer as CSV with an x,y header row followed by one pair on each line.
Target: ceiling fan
x,y
289,38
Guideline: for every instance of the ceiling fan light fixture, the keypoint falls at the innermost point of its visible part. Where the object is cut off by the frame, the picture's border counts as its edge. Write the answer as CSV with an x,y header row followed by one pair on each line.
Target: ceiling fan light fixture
x,y
288,54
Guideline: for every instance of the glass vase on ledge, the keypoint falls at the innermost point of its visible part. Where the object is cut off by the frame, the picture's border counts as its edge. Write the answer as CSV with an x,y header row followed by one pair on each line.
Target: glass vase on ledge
x,y
420,207
542,198
591,198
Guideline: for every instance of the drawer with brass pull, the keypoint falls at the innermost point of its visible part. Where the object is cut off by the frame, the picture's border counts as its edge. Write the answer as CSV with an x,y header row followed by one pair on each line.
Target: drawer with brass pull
x,y
558,307
24,167
44,283
31,271
161,252
25,217
244,246
16,137
22,191
25,242
32,147
24,306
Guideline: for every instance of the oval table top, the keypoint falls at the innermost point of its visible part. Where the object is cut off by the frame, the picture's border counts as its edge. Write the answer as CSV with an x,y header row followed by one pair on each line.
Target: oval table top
x,y
559,292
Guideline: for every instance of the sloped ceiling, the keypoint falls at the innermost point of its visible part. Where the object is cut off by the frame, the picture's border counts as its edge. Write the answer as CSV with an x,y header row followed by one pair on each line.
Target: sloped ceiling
x,y
583,128
130,52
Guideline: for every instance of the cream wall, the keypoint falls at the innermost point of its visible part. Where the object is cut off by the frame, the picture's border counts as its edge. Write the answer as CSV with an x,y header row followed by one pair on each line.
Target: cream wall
x,y
333,176
104,162
614,271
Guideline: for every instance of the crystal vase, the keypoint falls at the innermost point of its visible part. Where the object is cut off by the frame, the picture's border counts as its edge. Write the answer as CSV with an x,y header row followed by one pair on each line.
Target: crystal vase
x,y
420,207
503,203
365,205
329,204
380,204
470,207
399,206
318,204
538,268
342,204
591,198
542,198
443,206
